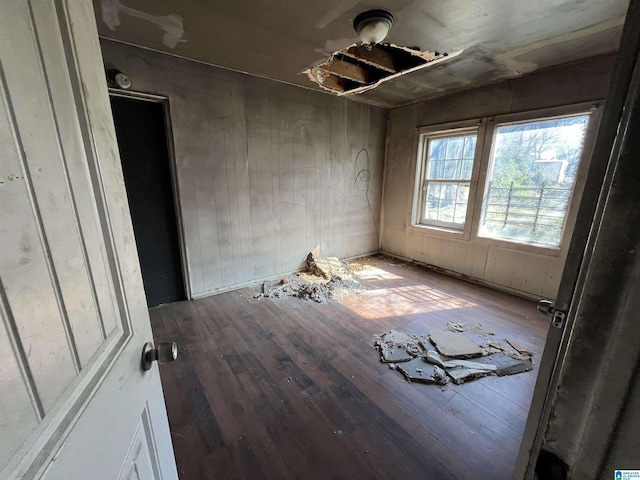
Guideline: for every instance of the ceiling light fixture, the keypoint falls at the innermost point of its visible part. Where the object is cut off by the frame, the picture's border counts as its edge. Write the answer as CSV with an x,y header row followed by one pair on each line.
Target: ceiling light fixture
x,y
373,26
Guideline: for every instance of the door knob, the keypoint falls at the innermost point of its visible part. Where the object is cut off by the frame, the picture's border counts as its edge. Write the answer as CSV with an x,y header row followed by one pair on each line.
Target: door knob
x,y
546,306
164,353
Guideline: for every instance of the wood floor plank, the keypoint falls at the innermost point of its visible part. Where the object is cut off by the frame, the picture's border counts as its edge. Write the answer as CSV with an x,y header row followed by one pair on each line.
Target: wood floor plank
x,y
289,389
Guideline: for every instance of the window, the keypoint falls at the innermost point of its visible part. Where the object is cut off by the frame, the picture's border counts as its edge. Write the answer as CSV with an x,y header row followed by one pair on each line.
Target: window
x,y
531,176
447,167
504,181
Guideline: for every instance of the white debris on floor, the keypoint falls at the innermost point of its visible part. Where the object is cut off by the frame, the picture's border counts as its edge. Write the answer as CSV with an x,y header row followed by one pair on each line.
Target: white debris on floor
x,y
326,280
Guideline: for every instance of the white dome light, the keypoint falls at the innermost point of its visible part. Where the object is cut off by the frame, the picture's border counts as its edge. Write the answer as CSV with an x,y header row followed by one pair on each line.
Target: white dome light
x,y
373,26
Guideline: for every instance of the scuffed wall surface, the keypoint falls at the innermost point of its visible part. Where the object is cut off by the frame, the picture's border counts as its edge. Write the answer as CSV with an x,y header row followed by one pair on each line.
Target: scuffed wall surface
x,y
266,171
525,273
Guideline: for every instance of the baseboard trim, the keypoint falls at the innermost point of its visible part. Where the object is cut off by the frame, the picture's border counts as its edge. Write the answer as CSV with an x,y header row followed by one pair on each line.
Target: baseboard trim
x,y
250,283
466,278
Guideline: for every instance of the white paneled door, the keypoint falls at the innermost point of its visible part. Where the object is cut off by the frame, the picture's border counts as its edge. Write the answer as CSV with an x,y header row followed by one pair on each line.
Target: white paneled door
x,y
75,403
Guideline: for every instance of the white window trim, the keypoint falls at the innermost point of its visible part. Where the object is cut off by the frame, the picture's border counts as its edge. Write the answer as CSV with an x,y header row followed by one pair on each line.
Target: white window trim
x,y
486,136
439,131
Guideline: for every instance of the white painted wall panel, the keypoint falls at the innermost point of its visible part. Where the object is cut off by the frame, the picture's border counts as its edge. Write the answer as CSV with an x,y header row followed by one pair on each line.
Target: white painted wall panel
x,y
266,172
18,418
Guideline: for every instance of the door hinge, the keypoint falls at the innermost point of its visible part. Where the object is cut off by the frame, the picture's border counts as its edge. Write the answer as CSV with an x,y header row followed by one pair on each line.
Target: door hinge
x,y
558,316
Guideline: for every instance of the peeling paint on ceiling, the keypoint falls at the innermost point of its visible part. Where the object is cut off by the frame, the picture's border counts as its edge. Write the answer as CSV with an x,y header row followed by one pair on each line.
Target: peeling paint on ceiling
x,y
171,25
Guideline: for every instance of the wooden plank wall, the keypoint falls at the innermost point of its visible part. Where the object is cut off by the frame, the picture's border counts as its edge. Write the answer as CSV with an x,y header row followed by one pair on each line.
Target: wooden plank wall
x,y
521,272
266,171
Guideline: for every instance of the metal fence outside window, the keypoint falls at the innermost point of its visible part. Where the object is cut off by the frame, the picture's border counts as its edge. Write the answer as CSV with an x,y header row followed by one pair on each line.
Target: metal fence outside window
x,y
532,208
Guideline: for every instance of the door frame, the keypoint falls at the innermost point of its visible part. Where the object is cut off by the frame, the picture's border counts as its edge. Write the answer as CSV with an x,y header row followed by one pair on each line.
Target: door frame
x,y
164,101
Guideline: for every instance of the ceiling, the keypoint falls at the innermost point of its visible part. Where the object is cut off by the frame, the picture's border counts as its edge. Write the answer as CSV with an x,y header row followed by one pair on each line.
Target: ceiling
x,y
279,39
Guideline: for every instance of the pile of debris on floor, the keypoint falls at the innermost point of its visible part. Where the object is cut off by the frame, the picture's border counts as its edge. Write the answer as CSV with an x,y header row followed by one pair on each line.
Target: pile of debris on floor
x,y
451,354
326,279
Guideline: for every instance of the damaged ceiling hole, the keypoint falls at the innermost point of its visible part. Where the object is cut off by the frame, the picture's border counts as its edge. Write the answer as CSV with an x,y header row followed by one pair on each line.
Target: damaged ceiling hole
x,y
359,68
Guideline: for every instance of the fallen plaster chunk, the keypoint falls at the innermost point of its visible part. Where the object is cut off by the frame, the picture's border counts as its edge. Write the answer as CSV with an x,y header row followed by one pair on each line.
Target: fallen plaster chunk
x,y
456,326
522,350
464,370
504,364
416,359
447,363
269,287
393,354
510,366
329,279
461,375
395,337
326,267
495,347
454,344
395,346
418,370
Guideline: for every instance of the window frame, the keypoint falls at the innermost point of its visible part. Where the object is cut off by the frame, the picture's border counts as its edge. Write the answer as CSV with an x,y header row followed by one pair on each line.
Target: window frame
x,y
594,110
424,134
486,131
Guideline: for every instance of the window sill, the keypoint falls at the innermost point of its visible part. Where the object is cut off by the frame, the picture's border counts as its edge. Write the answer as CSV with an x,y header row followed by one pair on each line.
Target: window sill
x,y
537,249
440,231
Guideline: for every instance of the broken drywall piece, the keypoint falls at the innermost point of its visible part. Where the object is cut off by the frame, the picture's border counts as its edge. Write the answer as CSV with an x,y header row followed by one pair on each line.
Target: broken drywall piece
x,y
505,364
461,375
522,350
456,326
393,354
409,354
494,347
395,337
516,366
454,344
417,370
395,346
497,346
447,363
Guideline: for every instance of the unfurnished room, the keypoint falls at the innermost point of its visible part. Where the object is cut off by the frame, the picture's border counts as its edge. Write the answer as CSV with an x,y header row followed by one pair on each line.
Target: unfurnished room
x,y
320,240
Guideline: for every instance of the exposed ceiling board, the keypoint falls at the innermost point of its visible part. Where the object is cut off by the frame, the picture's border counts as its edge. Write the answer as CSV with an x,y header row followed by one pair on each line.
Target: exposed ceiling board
x,y
279,39
361,68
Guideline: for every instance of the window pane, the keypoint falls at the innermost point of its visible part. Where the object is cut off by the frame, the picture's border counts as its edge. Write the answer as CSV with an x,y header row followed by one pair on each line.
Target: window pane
x,y
437,148
455,147
469,147
446,202
532,175
451,158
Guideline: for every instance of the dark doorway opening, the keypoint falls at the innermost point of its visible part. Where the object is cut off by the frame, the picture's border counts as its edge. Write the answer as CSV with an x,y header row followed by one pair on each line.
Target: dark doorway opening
x,y
146,164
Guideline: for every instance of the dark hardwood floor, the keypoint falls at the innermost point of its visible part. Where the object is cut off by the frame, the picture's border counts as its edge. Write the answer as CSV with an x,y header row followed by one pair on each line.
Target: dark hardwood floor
x,y
290,389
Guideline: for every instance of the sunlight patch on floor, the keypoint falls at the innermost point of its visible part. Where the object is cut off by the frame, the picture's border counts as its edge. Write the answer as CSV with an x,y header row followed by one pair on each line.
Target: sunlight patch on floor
x,y
404,301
